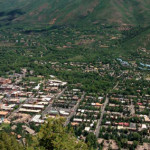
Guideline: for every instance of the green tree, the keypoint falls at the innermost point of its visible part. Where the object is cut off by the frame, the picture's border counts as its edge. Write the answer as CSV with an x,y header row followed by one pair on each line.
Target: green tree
x,y
135,143
54,136
8,142
91,140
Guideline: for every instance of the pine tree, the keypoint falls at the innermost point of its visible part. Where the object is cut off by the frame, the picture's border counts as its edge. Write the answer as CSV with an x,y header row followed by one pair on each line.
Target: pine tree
x,y
54,136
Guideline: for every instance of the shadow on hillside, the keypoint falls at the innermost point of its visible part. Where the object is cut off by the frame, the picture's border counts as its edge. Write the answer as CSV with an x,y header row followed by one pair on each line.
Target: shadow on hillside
x,y
7,17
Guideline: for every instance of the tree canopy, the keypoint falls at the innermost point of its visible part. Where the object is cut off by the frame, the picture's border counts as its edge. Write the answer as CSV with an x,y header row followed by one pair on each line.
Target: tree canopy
x,y
54,136
8,142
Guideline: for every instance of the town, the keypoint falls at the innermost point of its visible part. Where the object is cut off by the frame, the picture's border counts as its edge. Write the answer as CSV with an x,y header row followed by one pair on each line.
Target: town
x,y
82,75
118,116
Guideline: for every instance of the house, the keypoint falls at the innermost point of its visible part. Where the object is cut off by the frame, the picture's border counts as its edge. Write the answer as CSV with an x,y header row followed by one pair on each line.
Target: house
x,y
37,87
77,120
75,98
121,128
43,103
7,107
14,127
97,104
37,119
100,98
146,118
123,124
54,112
132,126
18,94
143,126
87,129
108,123
5,81
14,101
46,99
145,146
3,114
63,113
74,123
28,130
19,136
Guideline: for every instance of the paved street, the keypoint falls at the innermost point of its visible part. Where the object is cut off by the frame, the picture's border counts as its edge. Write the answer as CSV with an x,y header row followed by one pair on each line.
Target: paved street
x,y
115,86
100,120
74,110
102,113
48,108
16,110
132,109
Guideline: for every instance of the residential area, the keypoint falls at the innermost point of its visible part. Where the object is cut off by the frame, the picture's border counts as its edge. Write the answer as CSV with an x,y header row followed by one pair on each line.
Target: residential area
x,y
118,118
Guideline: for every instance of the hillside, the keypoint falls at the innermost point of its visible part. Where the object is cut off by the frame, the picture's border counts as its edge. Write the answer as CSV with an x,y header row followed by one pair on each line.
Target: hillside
x,y
133,12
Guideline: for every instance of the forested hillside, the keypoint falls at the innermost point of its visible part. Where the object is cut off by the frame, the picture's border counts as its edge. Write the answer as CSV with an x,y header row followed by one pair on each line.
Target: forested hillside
x,y
70,12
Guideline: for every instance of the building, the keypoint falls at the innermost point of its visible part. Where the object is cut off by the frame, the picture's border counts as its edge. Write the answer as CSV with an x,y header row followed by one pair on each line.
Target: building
x,y
5,81
3,114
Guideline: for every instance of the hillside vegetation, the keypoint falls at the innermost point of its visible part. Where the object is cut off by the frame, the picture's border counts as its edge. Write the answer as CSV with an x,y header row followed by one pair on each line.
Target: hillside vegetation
x,y
79,11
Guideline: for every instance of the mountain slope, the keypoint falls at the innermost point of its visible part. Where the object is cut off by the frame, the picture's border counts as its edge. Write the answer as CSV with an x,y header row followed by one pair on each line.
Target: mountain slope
x,y
75,11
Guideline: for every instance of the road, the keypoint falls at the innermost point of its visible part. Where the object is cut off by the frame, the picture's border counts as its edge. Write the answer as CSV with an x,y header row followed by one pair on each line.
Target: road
x,y
25,102
101,118
74,110
16,110
116,85
50,105
131,108
102,113
30,99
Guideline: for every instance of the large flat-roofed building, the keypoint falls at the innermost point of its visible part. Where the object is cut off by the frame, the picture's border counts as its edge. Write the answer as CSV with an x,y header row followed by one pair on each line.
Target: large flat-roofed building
x,y
14,101
30,106
29,110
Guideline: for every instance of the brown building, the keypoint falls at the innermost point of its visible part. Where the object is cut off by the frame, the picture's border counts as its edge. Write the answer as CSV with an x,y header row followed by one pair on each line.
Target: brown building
x,y
5,81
